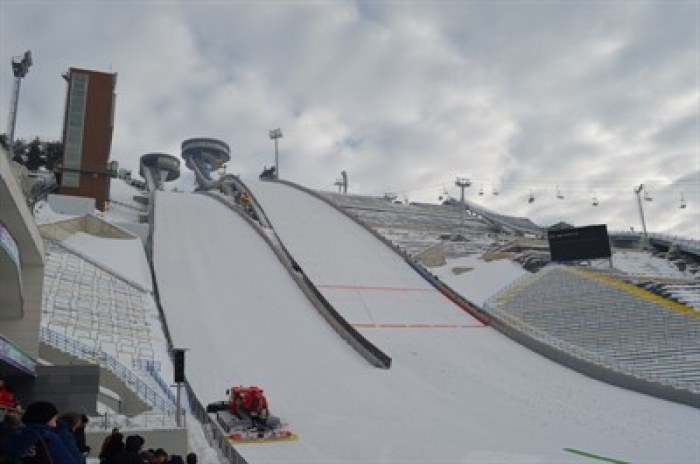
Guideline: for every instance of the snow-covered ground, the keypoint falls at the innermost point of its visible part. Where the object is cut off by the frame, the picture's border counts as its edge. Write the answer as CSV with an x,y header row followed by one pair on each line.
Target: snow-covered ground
x,y
462,394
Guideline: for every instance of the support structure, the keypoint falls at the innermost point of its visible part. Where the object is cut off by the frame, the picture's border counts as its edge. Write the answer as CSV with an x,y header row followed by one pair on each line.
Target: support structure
x,y
342,183
159,168
204,156
645,237
462,183
276,134
20,68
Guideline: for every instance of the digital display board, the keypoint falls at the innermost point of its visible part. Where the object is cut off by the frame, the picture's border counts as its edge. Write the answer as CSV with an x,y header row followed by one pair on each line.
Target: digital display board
x,y
579,243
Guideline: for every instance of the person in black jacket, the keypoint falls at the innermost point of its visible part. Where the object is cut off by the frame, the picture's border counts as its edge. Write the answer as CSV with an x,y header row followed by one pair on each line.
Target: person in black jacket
x,y
113,446
80,435
131,452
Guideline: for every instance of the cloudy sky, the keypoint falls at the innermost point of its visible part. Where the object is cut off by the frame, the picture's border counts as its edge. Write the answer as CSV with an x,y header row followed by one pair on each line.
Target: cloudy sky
x,y
591,97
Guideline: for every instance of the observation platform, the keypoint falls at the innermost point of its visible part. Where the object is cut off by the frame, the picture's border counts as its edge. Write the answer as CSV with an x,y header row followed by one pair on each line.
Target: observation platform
x,y
205,153
158,168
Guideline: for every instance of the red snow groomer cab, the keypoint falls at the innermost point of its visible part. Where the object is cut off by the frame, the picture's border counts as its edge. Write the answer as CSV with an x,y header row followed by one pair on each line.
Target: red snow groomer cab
x,y
245,417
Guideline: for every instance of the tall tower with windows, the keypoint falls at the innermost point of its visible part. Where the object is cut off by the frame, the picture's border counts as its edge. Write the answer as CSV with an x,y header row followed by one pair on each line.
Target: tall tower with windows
x,y
87,134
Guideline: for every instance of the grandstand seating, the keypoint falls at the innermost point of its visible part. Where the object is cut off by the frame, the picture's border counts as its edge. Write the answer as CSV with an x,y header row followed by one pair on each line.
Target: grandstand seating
x,y
399,223
602,320
95,307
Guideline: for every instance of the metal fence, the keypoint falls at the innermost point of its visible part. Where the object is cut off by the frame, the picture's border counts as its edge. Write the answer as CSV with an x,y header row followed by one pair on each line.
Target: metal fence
x,y
99,357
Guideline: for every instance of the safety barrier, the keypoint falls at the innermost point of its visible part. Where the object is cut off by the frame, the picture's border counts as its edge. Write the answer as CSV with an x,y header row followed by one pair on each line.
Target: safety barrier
x,y
99,357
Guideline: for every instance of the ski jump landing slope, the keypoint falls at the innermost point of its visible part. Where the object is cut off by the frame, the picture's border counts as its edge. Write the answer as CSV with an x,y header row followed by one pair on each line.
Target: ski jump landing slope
x,y
457,391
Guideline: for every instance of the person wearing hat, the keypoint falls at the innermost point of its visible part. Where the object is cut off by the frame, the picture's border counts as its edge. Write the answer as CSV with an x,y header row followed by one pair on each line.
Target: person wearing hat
x,y
37,442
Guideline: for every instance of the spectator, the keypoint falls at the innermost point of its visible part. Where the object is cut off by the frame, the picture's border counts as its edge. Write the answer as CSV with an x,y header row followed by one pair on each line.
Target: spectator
x,y
66,426
176,459
131,452
37,442
161,456
9,425
80,436
112,446
7,397
191,458
147,456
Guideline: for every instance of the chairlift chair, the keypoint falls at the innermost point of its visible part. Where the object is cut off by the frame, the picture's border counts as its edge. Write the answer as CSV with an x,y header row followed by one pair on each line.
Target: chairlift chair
x,y
531,198
647,195
559,194
595,200
481,191
683,204
494,191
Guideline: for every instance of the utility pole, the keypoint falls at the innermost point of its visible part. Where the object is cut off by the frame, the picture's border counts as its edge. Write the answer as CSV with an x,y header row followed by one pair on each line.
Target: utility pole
x,y
20,68
645,238
462,183
276,134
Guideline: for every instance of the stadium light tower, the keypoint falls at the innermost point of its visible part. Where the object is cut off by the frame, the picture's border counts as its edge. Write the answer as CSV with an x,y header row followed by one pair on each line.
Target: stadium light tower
x,y
20,68
276,134
645,238
462,183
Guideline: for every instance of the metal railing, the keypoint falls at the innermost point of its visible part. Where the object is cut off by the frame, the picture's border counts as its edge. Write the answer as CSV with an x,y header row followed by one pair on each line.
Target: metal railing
x,y
99,357
147,420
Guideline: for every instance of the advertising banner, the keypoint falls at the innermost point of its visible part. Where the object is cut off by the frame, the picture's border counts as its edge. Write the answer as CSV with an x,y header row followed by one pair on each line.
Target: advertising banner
x,y
13,355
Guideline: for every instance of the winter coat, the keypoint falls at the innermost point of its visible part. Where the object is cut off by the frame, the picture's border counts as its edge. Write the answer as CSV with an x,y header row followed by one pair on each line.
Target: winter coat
x,y
112,447
31,443
131,452
67,436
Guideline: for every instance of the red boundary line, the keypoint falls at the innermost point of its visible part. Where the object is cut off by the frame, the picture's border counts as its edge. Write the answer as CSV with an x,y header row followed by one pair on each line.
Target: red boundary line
x,y
417,326
384,289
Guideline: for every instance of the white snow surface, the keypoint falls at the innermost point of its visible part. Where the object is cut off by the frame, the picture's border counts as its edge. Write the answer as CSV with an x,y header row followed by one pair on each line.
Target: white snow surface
x,y
482,280
459,394
123,256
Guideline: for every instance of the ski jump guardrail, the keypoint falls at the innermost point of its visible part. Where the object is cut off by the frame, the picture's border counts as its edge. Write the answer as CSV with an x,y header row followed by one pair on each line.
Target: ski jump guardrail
x,y
350,334
442,287
108,362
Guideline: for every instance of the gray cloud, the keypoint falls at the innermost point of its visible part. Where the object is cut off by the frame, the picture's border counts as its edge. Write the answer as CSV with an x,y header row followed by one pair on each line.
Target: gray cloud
x,y
590,96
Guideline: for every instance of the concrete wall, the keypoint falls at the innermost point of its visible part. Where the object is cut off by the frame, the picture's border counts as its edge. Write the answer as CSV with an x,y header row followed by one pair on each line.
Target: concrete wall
x,y
127,403
73,205
23,331
88,224
70,387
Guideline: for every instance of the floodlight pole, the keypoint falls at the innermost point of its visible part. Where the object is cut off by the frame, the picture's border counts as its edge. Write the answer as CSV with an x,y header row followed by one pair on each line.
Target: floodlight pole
x,y
276,134
20,68
645,238
462,183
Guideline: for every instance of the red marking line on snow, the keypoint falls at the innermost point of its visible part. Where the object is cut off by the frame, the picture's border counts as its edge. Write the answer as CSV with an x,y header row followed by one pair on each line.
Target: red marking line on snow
x,y
379,289
417,326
